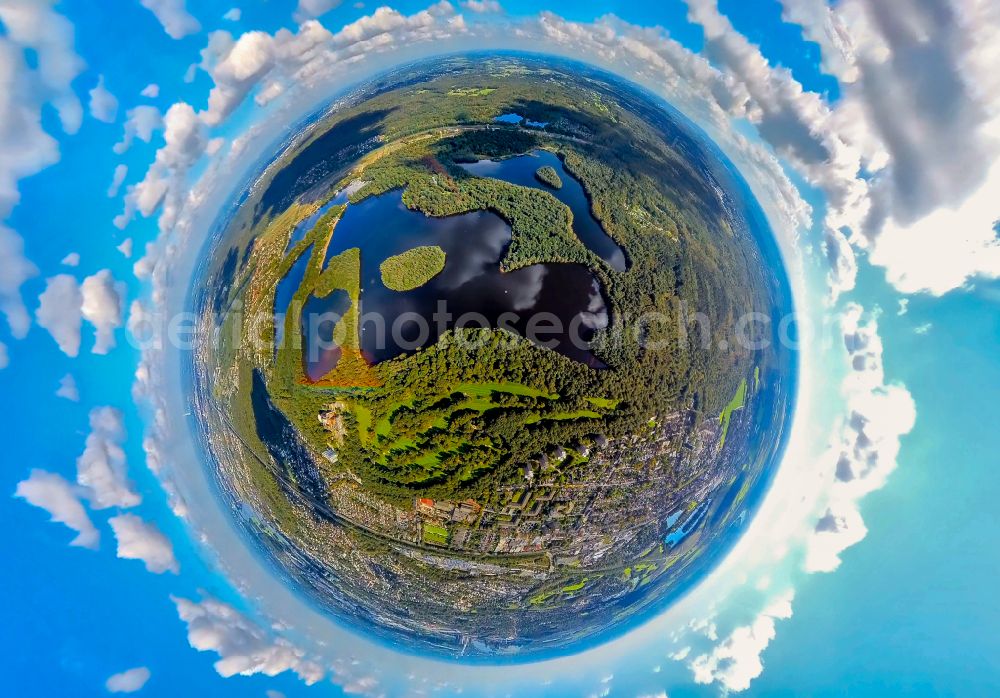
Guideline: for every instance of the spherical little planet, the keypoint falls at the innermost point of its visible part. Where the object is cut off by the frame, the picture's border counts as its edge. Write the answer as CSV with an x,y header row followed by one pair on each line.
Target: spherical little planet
x,y
489,363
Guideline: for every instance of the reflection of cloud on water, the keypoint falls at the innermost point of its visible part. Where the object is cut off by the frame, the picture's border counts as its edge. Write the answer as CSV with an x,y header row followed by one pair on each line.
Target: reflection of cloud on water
x,y
530,282
480,250
596,315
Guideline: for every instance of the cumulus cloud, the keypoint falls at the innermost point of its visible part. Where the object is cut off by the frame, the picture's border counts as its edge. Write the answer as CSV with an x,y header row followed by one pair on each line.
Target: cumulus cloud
x,y
102,469
103,104
311,9
946,249
33,26
273,63
878,415
30,27
235,66
59,312
165,182
15,269
126,248
173,15
140,122
921,109
64,304
243,646
67,388
102,305
4,359
138,540
482,6
736,661
152,91
841,261
128,681
59,498
71,260
234,14
121,172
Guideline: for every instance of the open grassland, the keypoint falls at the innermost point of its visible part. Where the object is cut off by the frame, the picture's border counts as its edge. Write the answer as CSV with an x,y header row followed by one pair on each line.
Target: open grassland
x,y
738,401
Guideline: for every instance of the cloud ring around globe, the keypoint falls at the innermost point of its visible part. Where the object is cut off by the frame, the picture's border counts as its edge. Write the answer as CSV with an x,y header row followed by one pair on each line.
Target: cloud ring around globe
x,y
192,493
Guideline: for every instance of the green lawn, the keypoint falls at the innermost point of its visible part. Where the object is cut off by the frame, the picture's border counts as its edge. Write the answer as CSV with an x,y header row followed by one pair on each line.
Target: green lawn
x,y
606,403
435,534
738,401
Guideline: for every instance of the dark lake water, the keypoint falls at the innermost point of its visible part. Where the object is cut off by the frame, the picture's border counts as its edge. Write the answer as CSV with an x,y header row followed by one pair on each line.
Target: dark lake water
x,y
521,170
286,288
470,291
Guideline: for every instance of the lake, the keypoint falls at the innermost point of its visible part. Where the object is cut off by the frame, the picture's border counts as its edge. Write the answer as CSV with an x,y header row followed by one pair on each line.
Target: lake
x,y
471,289
521,170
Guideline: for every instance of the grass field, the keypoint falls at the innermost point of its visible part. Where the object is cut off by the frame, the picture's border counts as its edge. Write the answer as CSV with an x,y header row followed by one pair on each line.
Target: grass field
x,y
738,401
435,534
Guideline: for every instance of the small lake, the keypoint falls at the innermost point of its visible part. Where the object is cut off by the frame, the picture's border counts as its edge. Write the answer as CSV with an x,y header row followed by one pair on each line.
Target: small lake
x,y
471,288
521,170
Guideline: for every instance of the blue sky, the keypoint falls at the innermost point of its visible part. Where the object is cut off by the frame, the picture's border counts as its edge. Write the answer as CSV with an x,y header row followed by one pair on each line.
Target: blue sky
x,y
812,126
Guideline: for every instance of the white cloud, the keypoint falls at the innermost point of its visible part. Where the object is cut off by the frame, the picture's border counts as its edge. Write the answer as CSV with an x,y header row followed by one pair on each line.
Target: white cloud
x,y
59,312
33,25
67,388
59,498
921,109
270,693
878,414
121,172
102,469
244,648
4,359
71,260
30,26
947,248
274,63
823,26
736,661
128,681
126,248
173,15
234,14
152,91
138,540
311,9
15,269
64,304
165,182
140,122
103,104
102,306
214,146
236,67
842,263
482,6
